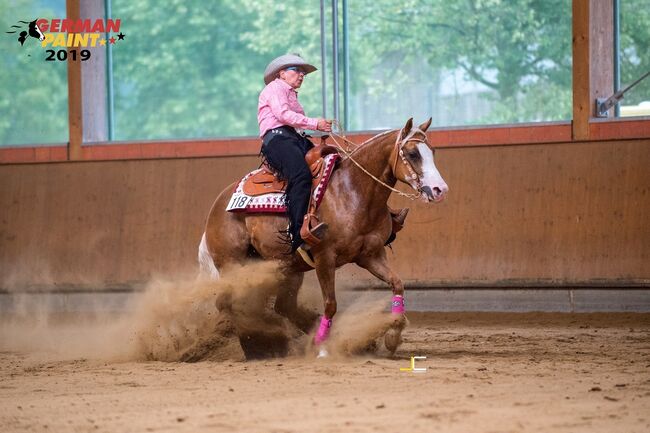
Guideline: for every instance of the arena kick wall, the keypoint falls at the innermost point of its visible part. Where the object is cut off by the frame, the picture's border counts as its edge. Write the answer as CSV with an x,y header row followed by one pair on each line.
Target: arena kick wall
x,y
547,212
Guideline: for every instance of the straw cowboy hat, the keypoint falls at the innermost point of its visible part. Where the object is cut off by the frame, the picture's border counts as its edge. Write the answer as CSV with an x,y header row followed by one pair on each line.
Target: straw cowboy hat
x,y
285,61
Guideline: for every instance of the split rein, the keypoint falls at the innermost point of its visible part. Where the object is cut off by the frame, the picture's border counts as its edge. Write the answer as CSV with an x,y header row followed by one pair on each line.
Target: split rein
x,y
348,154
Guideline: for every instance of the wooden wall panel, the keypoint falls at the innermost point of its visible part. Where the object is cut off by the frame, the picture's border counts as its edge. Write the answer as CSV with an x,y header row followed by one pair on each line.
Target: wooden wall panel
x,y
527,215
554,213
106,222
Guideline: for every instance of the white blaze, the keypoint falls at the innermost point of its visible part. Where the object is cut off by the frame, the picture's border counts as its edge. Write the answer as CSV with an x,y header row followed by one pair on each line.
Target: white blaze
x,y
430,175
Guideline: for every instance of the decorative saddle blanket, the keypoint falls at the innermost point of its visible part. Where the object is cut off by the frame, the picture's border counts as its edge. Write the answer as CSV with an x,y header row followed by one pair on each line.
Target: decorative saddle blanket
x,y
261,192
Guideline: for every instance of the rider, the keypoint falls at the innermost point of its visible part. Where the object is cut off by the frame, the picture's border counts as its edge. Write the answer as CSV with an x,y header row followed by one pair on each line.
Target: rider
x,y
282,123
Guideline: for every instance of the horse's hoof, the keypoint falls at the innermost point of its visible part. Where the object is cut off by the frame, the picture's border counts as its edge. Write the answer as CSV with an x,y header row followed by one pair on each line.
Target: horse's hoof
x,y
323,353
393,339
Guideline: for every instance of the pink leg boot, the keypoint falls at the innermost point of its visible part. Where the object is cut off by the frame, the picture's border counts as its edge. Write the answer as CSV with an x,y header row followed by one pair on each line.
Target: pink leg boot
x,y
397,304
323,330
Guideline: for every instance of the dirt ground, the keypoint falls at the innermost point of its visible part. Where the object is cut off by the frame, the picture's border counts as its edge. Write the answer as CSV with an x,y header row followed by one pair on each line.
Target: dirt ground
x,y
485,372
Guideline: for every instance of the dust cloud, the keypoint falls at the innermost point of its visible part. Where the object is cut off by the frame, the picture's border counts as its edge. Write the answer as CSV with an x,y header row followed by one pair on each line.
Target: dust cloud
x,y
359,328
186,319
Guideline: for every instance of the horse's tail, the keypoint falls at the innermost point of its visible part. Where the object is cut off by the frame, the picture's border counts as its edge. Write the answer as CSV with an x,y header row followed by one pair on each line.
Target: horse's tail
x,y
206,263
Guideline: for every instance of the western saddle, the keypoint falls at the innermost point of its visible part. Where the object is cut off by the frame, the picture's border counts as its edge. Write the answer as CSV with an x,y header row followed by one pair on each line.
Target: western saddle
x,y
266,181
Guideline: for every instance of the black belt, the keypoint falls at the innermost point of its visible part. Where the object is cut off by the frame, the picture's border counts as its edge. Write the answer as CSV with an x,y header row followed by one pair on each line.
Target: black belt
x,y
282,130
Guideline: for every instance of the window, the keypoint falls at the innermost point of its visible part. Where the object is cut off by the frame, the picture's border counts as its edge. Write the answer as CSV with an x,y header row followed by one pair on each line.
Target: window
x,y
195,69
33,92
463,63
633,56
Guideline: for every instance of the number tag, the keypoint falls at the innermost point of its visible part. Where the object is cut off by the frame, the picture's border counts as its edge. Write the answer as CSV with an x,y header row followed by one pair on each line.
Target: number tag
x,y
238,202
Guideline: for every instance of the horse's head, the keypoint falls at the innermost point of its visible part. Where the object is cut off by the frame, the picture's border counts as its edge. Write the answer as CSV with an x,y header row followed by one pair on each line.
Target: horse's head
x,y
413,162
35,31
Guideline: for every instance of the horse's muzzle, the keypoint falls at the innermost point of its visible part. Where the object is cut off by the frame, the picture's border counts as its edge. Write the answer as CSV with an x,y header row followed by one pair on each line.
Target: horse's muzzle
x,y
436,194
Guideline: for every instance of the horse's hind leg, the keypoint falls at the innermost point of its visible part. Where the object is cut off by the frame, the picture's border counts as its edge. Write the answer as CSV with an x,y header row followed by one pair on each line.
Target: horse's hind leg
x,y
286,303
260,334
226,240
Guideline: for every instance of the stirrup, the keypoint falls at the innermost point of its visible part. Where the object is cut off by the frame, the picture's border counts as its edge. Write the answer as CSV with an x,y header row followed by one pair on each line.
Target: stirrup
x,y
306,256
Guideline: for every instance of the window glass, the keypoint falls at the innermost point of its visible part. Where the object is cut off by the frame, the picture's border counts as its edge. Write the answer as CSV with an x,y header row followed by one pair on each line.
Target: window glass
x,y
463,63
33,91
195,69
633,57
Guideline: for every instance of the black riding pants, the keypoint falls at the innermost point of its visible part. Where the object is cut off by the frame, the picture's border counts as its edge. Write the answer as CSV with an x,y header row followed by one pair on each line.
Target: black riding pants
x,y
284,150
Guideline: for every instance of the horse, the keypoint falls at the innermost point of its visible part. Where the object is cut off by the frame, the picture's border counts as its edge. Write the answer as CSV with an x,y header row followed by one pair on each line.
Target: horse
x,y
356,211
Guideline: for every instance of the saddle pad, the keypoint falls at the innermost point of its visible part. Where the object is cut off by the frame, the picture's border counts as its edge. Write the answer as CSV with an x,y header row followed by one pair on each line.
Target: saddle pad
x,y
274,202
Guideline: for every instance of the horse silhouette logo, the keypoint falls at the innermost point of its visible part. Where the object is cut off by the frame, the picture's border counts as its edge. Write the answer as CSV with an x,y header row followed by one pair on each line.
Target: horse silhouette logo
x,y
32,31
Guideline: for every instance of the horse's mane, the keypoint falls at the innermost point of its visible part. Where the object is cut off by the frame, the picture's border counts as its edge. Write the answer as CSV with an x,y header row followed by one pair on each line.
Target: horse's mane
x,y
375,138
382,134
378,136
365,143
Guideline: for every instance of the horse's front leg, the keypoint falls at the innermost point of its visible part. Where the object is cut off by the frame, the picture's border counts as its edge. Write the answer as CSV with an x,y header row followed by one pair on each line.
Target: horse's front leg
x,y
377,265
325,270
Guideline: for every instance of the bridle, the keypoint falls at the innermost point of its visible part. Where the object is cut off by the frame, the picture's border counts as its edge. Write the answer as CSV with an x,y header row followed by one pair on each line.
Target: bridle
x,y
413,179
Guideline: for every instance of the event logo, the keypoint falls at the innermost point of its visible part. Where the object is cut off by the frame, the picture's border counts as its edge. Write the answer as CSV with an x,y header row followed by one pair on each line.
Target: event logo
x,y
413,368
32,31
66,33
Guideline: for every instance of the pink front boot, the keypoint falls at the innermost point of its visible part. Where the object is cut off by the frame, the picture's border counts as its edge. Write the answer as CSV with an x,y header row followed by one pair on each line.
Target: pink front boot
x,y
323,330
393,336
397,304
321,335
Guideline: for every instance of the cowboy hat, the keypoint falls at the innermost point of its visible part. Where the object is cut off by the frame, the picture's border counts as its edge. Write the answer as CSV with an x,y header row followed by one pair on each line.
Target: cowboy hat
x,y
283,62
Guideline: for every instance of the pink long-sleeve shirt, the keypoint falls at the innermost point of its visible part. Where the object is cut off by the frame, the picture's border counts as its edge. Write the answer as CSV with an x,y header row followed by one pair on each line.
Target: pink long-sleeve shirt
x,y
278,106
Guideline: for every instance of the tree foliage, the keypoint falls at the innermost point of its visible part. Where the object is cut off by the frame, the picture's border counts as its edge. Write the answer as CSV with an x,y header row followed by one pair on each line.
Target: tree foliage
x,y
194,69
635,48
514,49
33,92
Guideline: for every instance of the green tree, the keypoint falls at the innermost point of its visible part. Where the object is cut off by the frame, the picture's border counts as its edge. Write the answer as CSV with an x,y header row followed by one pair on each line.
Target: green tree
x,y
520,50
195,69
192,69
635,49
33,92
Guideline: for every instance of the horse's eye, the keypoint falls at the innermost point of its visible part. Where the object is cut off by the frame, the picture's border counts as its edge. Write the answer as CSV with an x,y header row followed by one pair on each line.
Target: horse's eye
x,y
413,154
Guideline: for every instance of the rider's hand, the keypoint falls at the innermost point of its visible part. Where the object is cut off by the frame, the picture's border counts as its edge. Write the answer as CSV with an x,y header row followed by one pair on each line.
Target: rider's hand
x,y
324,125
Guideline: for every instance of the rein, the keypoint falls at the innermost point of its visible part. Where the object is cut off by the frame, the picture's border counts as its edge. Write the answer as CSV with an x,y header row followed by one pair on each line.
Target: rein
x,y
398,153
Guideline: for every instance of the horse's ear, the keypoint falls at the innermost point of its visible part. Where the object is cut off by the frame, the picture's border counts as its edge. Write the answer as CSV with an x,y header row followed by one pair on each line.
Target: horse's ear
x,y
406,129
426,125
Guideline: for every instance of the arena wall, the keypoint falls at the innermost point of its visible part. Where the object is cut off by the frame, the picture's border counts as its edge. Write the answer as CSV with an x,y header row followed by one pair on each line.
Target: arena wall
x,y
571,213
